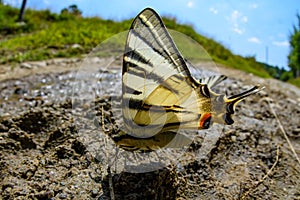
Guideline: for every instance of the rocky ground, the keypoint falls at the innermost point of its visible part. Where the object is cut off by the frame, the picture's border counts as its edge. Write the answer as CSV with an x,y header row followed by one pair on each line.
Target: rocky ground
x,y
53,149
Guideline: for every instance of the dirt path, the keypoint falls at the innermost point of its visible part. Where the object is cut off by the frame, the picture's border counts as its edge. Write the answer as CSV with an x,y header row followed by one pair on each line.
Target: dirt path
x,y
51,149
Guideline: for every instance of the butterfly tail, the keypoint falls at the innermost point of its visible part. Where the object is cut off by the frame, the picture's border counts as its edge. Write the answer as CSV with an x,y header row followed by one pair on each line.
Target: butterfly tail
x,y
232,101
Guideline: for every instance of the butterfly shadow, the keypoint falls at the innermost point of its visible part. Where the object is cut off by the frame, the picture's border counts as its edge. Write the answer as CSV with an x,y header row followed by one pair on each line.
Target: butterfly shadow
x,y
159,184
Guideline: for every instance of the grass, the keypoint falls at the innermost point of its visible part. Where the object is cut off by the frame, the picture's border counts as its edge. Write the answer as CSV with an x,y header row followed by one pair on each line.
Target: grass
x,y
295,81
47,35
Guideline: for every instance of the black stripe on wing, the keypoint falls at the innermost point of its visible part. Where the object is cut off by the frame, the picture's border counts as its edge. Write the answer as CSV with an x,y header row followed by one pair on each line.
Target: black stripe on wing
x,y
152,44
212,81
140,105
150,28
132,90
130,53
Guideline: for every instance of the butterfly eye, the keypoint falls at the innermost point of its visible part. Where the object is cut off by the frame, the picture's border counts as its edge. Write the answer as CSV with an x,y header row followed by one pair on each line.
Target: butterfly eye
x,y
205,121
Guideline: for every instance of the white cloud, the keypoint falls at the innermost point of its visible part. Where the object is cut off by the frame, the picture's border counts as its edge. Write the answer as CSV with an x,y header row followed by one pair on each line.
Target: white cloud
x,y
213,10
254,40
281,43
253,6
12,2
281,35
244,19
236,14
236,18
46,2
190,4
238,30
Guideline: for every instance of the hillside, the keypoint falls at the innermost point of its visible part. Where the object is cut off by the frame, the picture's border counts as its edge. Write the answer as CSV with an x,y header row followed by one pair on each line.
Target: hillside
x,y
47,35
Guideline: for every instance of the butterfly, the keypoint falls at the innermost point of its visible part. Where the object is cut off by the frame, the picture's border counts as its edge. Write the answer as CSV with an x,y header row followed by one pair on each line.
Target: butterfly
x,y
159,94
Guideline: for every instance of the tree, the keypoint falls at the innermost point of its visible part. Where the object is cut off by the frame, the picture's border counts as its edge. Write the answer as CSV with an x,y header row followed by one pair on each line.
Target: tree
x,y
21,14
294,55
72,9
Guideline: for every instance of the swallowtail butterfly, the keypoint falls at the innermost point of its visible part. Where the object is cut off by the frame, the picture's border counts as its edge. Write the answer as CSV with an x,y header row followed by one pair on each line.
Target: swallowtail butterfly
x,y
159,94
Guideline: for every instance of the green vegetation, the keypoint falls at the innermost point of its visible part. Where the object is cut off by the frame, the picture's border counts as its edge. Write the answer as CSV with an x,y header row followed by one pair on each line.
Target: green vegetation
x,y
295,81
45,35
294,56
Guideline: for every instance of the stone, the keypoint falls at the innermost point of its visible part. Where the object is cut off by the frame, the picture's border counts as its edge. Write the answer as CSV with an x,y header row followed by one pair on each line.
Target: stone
x,y
76,46
26,66
40,64
94,60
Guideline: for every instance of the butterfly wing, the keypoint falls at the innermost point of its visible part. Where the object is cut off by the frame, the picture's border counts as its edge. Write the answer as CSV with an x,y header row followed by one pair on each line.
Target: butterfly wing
x,y
159,93
156,79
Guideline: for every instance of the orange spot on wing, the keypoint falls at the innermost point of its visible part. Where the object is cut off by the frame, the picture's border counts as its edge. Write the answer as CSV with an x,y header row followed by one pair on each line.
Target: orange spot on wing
x,y
203,119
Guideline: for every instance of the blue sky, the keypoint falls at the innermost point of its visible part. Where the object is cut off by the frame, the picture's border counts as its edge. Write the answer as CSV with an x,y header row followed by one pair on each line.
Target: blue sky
x,y
246,27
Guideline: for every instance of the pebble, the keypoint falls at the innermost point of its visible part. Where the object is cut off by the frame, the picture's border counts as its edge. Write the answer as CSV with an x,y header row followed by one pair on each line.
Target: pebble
x,y
26,66
296,131
40,64
76,46
94,60
233,138
95,192
62,196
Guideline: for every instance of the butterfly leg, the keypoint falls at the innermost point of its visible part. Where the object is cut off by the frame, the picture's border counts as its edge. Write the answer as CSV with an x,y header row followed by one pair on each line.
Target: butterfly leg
x,y
110,183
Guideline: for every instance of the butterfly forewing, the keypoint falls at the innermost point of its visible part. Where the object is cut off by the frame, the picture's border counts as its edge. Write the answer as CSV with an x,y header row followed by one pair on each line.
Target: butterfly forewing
x,y
148,32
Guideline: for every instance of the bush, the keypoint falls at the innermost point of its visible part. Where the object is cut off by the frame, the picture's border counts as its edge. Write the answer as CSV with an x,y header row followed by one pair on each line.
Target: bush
x,y
287,75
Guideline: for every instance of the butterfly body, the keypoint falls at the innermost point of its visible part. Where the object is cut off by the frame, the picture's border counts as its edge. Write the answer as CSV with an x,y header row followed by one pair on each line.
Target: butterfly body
x,y
159,94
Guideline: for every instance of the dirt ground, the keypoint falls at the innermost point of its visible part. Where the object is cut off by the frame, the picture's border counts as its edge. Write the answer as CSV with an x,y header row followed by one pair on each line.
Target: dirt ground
x,y
53,148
